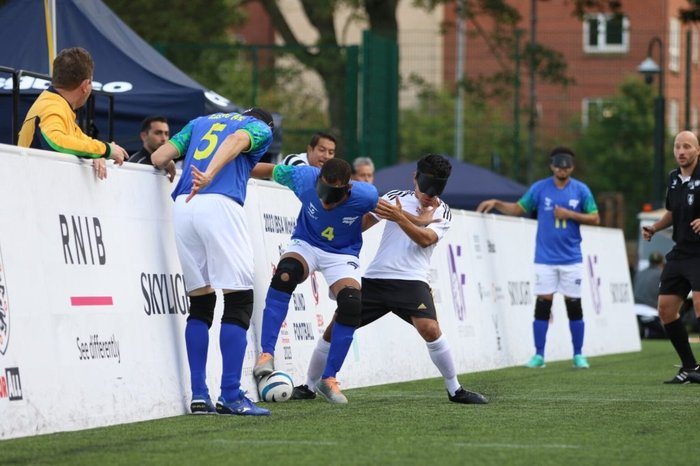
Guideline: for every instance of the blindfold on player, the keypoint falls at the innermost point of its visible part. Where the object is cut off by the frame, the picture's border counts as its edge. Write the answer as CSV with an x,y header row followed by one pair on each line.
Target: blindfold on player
x,y
330,194
429,184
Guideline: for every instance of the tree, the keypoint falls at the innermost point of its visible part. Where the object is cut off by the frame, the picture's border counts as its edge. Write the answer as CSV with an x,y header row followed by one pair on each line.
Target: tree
x,y
615,152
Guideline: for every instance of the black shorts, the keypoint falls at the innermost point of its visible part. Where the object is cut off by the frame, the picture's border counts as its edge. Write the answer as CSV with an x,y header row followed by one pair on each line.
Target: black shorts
x,y
680,276
405,298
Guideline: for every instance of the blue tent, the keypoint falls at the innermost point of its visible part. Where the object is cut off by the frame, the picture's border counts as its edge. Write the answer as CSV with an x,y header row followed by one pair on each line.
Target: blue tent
x,y
143,81
468,185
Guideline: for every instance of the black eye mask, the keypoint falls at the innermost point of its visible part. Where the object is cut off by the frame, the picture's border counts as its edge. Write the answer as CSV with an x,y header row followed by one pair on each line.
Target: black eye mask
x,y
430,185
330,194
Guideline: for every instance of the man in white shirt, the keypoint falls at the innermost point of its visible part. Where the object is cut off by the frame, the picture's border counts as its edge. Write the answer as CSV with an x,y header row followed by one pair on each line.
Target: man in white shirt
x,y
397,278
320,149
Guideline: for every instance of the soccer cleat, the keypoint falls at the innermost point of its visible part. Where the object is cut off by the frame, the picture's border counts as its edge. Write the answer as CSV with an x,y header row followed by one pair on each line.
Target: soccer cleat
x,y
329,388
202,405
264,366
467,397
580,362
302,392
686,376
240,407
535,362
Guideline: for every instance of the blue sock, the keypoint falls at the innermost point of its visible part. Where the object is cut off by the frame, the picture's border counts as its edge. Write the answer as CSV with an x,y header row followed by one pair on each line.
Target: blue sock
x,y
577,329
233,343
276,306
340,344
197,343
539,330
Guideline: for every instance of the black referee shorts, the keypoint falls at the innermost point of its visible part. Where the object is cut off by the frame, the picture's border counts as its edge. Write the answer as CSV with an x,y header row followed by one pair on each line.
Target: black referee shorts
x,y
405,298
680,276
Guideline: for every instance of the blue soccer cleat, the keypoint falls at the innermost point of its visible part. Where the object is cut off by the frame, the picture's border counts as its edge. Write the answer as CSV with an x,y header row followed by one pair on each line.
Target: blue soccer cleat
x,y
240,407
202,405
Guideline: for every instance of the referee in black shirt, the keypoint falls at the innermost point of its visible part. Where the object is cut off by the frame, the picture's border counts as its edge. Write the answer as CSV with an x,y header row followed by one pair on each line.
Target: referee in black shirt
x,y
682,271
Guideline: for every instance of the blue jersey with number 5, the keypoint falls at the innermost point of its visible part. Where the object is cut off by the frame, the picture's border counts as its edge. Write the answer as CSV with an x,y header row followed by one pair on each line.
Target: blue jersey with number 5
x,y
338,230
200,139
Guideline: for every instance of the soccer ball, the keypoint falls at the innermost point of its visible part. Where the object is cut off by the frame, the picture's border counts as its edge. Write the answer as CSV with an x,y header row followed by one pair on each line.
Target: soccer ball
x,y
276,386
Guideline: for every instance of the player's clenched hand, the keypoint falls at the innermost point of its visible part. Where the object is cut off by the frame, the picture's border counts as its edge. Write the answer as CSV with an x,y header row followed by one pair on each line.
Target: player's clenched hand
x,y
648,232
562,213
199,181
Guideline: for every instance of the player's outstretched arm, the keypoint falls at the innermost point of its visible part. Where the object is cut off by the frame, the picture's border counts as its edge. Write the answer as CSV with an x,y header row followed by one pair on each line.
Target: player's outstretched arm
x,y
262,171
508,208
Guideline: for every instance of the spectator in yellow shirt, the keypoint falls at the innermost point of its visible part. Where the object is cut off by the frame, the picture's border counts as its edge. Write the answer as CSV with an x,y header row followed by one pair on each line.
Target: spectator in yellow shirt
x,y
51,121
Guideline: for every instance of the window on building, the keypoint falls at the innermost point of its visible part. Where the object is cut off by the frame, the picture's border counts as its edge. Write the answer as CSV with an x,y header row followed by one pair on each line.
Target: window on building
x,y
673,119
694,119
595,109
694,52
674,45
605,33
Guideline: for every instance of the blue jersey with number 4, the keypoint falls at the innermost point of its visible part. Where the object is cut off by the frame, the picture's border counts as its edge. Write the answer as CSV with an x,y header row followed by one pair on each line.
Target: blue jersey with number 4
x,y
200,139
338,230
558,241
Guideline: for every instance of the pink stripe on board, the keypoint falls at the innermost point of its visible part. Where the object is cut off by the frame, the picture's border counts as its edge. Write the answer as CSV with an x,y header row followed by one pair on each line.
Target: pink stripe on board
x,y
91,301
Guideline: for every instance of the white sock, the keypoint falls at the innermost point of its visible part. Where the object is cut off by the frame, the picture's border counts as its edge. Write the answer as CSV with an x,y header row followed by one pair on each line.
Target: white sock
x,y
317,363
441,355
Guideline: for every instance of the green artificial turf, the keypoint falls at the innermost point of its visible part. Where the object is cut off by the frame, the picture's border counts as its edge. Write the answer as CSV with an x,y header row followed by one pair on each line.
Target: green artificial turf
x,y
615,413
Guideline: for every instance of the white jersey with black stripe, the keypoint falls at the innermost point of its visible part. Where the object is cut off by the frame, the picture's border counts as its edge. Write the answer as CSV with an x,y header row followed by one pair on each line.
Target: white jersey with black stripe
x,y
295,159
398,256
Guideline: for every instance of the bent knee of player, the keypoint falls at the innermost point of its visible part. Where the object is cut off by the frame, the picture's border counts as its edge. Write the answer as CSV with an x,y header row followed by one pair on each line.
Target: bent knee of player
x,y
428,329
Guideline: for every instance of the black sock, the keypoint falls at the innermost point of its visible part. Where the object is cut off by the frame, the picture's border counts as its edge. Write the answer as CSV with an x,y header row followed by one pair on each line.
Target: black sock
x,y
679,338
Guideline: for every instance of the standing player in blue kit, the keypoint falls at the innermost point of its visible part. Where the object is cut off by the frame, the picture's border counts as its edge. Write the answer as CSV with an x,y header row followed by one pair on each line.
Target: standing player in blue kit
x,y
213,244
563,204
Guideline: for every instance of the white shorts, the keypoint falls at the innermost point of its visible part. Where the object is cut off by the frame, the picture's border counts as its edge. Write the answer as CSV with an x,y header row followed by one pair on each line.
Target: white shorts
x,y
333,266
564,279
211,236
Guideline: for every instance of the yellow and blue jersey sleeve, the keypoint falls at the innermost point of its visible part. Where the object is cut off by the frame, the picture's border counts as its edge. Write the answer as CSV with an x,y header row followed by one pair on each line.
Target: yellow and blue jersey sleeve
x,y
50,125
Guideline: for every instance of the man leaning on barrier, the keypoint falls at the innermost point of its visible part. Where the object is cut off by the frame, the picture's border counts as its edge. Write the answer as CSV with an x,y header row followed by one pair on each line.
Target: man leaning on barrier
x,y
50,122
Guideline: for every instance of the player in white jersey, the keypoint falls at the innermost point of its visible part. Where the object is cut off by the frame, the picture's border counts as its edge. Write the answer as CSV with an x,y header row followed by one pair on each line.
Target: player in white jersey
x,y
397,278
320,149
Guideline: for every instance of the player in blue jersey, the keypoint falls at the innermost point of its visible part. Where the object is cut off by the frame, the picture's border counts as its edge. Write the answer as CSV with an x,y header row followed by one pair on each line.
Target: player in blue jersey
x,y
562,204
213,245
328,238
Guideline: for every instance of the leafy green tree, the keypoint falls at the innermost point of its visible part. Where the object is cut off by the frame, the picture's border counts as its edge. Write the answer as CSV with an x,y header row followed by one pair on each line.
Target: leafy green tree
x,y
615,152
428,127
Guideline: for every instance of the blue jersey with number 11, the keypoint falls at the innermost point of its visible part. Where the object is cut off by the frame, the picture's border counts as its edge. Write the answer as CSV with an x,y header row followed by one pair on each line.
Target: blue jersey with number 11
x,y
200,139
338,230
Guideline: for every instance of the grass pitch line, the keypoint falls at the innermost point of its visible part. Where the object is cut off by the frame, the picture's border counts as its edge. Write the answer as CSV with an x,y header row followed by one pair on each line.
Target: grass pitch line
x,y
272,442
515,445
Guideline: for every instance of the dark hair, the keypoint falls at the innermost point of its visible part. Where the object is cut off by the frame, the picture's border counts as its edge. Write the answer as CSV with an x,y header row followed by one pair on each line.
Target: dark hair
x,y
561,150
146,124
321,135
436,165
71,67
656,258
336,171
262,115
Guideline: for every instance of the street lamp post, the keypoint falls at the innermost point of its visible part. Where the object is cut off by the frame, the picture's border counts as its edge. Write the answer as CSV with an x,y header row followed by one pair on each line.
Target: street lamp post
x,y
649,68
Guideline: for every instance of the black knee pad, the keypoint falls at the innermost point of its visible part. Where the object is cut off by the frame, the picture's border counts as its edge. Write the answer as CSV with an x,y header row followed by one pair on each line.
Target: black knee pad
x,y
543,309
573,308
349,310
202,308
238,308
294,271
